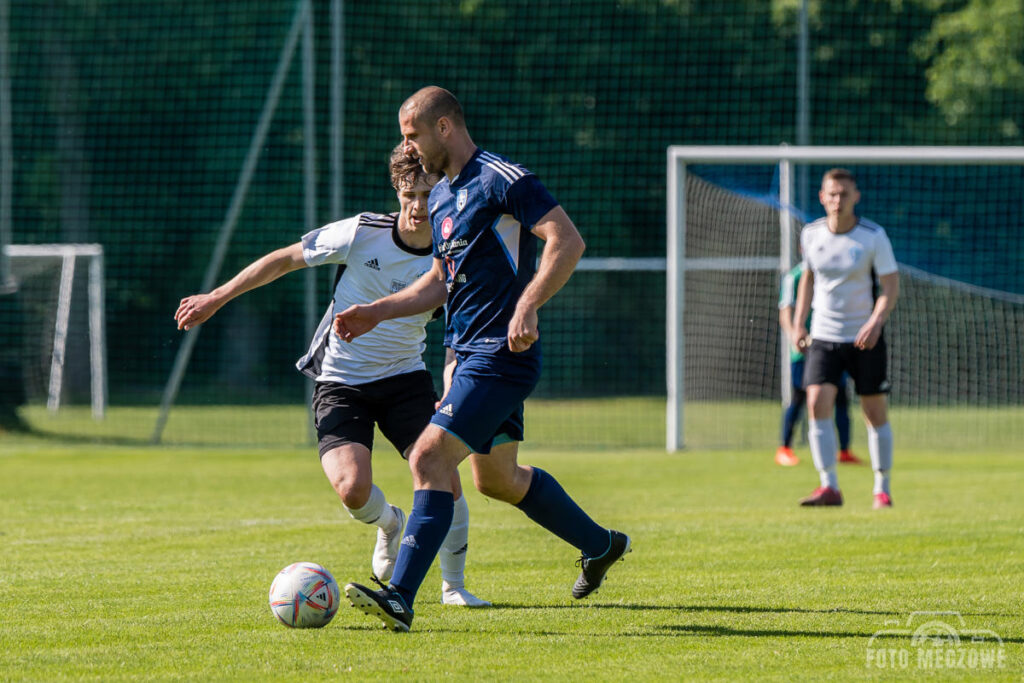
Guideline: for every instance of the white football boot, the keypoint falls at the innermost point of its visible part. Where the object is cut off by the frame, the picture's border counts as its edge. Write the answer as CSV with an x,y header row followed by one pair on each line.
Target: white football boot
x,y
460,597
386,551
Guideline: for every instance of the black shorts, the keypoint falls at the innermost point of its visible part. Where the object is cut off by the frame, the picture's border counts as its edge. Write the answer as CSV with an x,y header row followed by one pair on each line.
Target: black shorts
x,y
825,363
401,406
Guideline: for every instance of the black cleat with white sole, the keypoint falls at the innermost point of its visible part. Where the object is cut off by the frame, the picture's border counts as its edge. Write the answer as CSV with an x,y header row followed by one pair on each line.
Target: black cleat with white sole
x,y
385,604
595,568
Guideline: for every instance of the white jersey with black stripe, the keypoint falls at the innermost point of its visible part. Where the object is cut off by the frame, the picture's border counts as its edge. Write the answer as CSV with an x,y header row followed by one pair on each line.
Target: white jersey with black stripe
x,y
375,264
845,267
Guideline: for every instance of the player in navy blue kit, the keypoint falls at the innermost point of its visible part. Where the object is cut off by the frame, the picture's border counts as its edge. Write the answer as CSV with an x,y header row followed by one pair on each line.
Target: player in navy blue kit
x,y
487,214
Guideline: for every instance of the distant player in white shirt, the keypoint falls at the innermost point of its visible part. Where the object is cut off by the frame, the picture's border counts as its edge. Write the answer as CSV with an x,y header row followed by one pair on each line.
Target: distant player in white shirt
x,y
851,282
379,379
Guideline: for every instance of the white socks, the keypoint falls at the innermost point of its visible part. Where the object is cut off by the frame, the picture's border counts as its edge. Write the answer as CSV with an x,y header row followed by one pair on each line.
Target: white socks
x,y
376,511
452,554
880,449
453,550
822,440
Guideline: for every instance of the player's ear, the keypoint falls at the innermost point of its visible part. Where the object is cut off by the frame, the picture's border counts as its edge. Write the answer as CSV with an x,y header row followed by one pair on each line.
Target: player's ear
x,y
444,126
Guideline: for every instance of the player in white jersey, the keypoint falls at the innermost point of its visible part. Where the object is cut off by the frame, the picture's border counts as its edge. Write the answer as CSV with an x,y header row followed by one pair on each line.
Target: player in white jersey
x,y
379,380
851,282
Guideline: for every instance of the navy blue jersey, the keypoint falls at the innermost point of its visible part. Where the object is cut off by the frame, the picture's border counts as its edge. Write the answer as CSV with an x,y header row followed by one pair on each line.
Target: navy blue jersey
x,y
481,227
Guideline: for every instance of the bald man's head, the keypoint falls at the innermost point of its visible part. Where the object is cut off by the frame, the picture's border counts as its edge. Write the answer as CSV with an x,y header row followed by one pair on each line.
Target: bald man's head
x,y
429,104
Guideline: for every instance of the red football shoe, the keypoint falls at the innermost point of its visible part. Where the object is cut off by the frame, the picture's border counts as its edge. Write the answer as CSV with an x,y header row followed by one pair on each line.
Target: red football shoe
x,y
823,496
784,456
882,500
846,456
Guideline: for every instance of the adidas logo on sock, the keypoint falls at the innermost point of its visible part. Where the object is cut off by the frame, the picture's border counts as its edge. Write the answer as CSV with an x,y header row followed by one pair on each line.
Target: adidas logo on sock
x,y
447,410
410,541
372,263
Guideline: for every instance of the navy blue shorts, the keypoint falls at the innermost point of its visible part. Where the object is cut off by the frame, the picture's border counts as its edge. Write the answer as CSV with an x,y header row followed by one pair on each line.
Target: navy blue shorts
x,y
485,401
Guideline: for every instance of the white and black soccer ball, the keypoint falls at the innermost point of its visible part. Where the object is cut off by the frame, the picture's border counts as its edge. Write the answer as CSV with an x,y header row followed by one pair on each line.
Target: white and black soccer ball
x,y
304,595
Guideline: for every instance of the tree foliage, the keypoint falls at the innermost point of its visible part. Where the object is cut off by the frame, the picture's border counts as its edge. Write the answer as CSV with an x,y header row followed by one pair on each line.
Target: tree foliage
x,y
974,58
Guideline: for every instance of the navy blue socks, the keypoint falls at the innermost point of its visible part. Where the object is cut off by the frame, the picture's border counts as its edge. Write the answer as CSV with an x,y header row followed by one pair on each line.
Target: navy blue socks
x,y
428,524
547,504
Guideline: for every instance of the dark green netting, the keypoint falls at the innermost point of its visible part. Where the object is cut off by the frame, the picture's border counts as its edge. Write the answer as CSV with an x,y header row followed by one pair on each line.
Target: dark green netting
x,y
131,122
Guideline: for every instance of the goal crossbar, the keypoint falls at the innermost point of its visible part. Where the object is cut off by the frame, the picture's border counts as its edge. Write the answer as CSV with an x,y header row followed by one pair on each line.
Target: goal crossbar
x,y
677,264
799,154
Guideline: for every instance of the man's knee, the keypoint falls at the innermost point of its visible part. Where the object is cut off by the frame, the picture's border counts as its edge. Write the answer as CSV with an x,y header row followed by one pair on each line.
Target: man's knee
x,y
434,458
821,401
348,471
875,409
423,461
352,485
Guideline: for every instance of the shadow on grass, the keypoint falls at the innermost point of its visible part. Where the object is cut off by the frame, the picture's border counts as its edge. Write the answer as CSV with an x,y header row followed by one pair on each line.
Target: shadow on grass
x,y
738,609
61,439
36,435
700,630
735,609
725,631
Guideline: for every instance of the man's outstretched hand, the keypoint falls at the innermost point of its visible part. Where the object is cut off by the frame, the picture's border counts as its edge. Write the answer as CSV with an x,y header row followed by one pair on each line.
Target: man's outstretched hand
x,y
195,310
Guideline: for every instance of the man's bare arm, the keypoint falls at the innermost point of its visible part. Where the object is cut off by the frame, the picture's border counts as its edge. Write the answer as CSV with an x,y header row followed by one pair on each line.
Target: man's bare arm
x,y
869,334
563,247
198,308
426,294
786,323
804,295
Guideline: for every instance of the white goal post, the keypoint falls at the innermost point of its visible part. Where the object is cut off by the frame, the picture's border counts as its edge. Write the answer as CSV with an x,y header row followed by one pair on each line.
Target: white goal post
x,y
21,255
678,264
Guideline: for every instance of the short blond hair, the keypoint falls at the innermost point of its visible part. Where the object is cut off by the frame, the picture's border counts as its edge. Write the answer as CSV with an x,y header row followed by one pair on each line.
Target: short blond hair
x,y
838,174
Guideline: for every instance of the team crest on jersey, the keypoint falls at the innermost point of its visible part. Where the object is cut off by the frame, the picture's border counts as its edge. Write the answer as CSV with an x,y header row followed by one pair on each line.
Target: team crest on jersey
x,y
460,199
446,227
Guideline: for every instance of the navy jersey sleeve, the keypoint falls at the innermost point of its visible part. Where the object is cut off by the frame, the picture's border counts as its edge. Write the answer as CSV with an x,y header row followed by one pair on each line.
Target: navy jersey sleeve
x,y
528,200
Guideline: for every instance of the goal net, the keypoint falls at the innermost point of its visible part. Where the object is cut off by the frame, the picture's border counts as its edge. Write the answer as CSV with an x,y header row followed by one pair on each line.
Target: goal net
x,y
54,345
956,356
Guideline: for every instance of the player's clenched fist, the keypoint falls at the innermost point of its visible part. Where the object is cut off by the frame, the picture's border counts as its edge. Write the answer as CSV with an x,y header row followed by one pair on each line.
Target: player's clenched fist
x,y
522,330
354,321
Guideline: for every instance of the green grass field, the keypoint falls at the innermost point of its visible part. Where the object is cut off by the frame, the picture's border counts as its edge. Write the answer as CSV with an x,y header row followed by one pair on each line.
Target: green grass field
x,y
127,562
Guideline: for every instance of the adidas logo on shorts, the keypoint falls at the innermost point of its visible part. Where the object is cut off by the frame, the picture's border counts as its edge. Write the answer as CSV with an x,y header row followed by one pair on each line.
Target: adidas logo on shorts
x,y
447,410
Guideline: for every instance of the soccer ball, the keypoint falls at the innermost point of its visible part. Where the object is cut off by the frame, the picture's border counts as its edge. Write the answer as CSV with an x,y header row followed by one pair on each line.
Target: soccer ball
x,y
304,595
